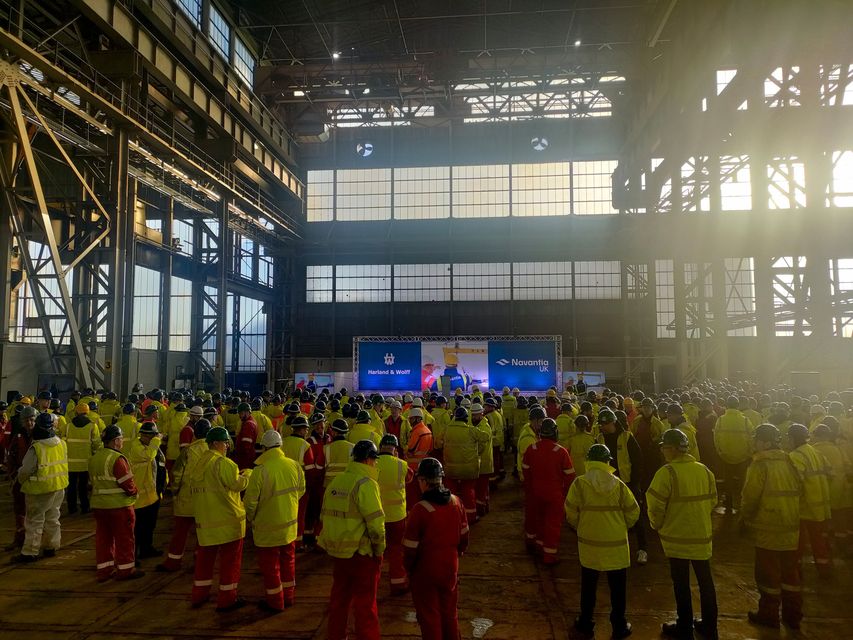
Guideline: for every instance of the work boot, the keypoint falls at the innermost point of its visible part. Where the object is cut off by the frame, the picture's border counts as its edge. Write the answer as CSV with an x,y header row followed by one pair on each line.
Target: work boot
x,y
49,553
583,631
266,607
756,618
131,576
239,603
705,629
23,558
624,632
674,630
149,553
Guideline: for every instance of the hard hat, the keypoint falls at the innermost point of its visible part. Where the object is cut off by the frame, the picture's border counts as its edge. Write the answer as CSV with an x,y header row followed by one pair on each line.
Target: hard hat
x,y
271,439
317,417
440,400
798,432
45,421
243,407
521,402
335,405
598,453
674,409
817,410
418,402
551,393
407,397
466,403
476,408
340,426
111,433
395,405
377,398
299,422
201,428
149,429
628,402
389,440
257,403
217,434
363,417
536,413
490,402
45,395
566,406
414,412
196,411
822,432
675,438
129,409
461,414
151,409
367,404
430,469
29,412
320,406
81,409
292,408
363,450
3,405
548,428
767,433
606,416
647,402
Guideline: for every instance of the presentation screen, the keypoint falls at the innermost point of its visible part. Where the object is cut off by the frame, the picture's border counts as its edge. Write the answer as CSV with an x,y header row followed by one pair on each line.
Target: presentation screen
x,y
446,364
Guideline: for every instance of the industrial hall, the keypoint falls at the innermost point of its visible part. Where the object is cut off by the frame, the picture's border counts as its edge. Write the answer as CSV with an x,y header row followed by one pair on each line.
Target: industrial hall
x,y
438,319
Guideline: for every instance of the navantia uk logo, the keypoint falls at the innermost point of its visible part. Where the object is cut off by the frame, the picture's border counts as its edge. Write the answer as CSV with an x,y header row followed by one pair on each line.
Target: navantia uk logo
x,y
503,362
389,359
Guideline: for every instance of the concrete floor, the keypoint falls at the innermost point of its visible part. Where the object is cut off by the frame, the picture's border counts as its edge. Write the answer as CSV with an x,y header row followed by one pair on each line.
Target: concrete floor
x,y
501,586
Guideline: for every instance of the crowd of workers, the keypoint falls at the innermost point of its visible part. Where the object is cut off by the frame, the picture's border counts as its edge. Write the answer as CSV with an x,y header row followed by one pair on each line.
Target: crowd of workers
x,y
367,478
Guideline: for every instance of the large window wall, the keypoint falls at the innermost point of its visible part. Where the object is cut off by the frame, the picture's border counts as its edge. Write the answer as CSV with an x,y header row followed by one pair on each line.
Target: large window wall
x,y
465,191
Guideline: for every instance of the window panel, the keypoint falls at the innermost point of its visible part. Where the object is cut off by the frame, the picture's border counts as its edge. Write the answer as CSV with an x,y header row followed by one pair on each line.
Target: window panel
x,y
244,62
481,191
592,191
598,280
318,283
422,193
252,341
265,266
841,186
321,196
841,279
542,281
740,296
542,189
191,9
183,231
180,318
786,179
665,298
421,282
26,320
363,194
219,32
481,281
146,308
735,185
363,283
791,296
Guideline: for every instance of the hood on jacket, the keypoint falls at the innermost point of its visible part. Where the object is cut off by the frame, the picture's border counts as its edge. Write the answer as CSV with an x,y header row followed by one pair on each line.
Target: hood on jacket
x,y
600,476
437,495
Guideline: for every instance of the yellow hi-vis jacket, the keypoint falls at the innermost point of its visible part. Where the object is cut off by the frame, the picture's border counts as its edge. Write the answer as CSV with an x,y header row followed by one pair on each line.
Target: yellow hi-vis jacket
x,y
353,520
263,421
770,503
496,422
526,437
565,429
392,476
733,437
272,498
109,409
82,443
176,422
812,468
441,418
52,467
679,501
216,483
337,455
181,473
106,492
129,426
487,458
838,468
602,508
463,445
143,464
623,458
364,431
579,444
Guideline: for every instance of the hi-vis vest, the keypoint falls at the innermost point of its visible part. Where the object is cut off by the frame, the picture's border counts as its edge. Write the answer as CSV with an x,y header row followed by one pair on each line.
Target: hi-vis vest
x,y
295,448
622,457
216,483
392,486
79,441
106,492
337,454
353,520
52,471
272,498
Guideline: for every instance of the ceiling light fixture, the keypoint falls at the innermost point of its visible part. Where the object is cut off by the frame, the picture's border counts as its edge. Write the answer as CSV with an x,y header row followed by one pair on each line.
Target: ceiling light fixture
x,y
366,90
336,55
298,93
577,43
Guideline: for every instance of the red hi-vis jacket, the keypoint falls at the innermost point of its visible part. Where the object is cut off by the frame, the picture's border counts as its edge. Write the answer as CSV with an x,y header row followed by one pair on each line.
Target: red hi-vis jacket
x,y
436,535
244,448
548,470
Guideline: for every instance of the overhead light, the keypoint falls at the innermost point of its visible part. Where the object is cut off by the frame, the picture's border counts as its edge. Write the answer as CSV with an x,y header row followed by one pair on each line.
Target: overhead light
x,y
364,149
577,43
539,143
336,55
299,93
366,90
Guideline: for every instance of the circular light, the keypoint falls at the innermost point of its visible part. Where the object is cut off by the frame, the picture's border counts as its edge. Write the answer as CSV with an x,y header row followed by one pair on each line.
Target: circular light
x,y
336,55
539,143
577,43
364,149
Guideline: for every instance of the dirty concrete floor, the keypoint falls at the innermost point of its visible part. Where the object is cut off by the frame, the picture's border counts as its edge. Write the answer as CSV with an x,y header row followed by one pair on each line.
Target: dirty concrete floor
x,y
59,598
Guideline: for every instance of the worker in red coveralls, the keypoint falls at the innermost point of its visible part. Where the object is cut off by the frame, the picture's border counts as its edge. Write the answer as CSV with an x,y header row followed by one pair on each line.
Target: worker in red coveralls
x,y
296,447
244,449
394,422
317,442
436,537
19,442
113,496
548,474
394,475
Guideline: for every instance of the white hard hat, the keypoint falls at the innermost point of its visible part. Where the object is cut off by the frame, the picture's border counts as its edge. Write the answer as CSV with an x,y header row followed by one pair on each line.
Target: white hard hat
x,y
271,439
414,412
477,408
466,402
407,397
516,390
418,402
396,405
505,390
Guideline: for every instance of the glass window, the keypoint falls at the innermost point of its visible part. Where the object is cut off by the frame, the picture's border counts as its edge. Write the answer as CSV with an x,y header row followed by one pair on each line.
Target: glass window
x,y
541,189
592,192
244,62
481,191
542,281
183,231
364,194
318,283
665,298
246,253
481,281
26,320
252,340
321,196
841,184
265,267
210,316
791,296
841,277
363,283
146,308
421,193
740,297
421,282
786,178
598,280
735,185
180,318
209,239
191,9
219,32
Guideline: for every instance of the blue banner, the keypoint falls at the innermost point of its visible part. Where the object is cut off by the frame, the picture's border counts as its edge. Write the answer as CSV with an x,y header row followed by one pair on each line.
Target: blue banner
x,y
523,364
389,366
